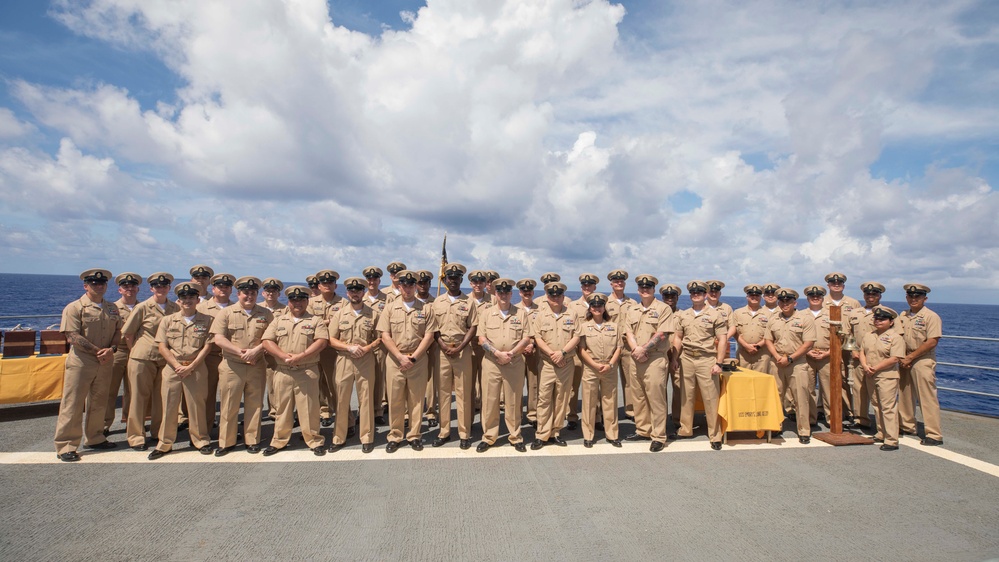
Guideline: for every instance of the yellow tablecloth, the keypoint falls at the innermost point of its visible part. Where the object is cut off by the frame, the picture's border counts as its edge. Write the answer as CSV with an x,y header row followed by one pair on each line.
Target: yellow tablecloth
x,y
749,402
31,379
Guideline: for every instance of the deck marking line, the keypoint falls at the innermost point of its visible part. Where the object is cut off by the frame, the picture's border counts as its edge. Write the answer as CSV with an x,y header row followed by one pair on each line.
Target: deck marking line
x,y
945,454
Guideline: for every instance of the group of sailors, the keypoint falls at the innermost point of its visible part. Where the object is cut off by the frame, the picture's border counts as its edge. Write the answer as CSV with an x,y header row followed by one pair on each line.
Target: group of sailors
x,y
409,355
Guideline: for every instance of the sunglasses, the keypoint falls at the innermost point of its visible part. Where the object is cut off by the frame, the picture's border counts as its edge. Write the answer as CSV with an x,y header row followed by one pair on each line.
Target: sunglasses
x,y
372,276
298,298
786,299
313,285
645,286
556,293
503,290
97,282
915,294
879,317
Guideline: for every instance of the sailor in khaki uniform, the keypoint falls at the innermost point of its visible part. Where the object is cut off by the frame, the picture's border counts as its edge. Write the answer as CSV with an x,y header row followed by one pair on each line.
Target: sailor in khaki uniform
x,y
836,282
880,353
818,356
430,405
922,330
699,344
750,324
221,292
354,334
504,331
294,339
376,299
791,335
860,322
724,309
407,329
271,289
670,293
556,335
600,349
92,327
482,299
456,318
393,291
550,277
532,360
145,364
648,326
579,307
617,304
128,288
202,275
238,330
313,284
325,306
771,308
183,341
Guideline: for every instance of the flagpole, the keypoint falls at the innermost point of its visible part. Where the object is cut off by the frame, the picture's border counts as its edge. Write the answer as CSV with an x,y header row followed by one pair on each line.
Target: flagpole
x,y
440,275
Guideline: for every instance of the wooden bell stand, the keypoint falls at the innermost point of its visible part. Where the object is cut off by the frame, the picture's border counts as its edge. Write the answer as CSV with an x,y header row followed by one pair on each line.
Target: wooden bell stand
x,y
836,435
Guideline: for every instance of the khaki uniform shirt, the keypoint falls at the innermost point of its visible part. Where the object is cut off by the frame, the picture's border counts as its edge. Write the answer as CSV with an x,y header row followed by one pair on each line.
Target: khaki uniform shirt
x,y
324,309
751,327
97,322
878,347
278,310
378,303
355,329
391,294
615,309
296,337
919,327
555,329
407,326
847,304
861,322
724,310
212,308
504,333
244,331
701,331
454,319
183,339
143,323
789,333
821,329
644,323
600,340
123,312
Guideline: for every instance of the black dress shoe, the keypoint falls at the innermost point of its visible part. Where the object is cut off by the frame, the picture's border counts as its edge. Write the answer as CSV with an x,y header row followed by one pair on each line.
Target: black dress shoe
x,y
440,441
334,447
71,456
206,450
416,444
319,451
558,441
637,437
520,447
930,442
804,439
614,442
326,422
367,447
878,439
538,444
156,453
482,447
587,443
465,444
716,445
182,426
904,432
656,446
432,422
253,449
270,451
392,447
889,447
223,451
142,447
103,445
571,426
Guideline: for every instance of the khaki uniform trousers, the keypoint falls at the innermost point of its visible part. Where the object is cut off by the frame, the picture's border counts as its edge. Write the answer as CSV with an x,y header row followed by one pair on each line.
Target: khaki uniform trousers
x,y
118,375
271,398
649,391
676,401
212,361
859,393
577,381
801,381
759,362
821,371
297,387
145,378
554,392
920,381
84,385
477,356
496,379
193,387
532,364
783,381
356,374
406,390
456,377
430,404
240,381
599,392
695,371
627,370
380,396
885,393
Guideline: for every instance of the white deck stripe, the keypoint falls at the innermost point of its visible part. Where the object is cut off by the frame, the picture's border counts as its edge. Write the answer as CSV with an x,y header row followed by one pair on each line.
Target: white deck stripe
x,y
958,458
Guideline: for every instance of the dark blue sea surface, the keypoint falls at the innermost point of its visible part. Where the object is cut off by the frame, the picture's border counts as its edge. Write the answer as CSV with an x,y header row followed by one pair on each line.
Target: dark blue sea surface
x,y
29,295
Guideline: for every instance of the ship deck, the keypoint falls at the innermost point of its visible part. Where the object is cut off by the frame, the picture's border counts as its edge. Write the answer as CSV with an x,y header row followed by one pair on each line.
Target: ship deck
x,y
750,501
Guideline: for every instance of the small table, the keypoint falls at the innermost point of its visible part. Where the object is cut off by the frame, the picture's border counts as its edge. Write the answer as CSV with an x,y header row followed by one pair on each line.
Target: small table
x,y
749,402
31,379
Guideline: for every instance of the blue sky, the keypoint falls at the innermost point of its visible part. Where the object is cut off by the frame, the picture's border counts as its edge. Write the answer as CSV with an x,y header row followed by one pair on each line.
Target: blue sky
x,y
752,143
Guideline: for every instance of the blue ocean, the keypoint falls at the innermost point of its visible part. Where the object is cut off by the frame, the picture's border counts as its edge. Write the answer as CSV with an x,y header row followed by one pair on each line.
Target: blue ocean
x,y
26,295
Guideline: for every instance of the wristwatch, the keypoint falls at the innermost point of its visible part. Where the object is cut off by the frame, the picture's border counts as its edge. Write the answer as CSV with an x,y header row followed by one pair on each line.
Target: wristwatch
x,y
114,349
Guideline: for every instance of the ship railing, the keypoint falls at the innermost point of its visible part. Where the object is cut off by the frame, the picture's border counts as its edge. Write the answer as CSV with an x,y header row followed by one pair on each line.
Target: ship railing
x,y
968,366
